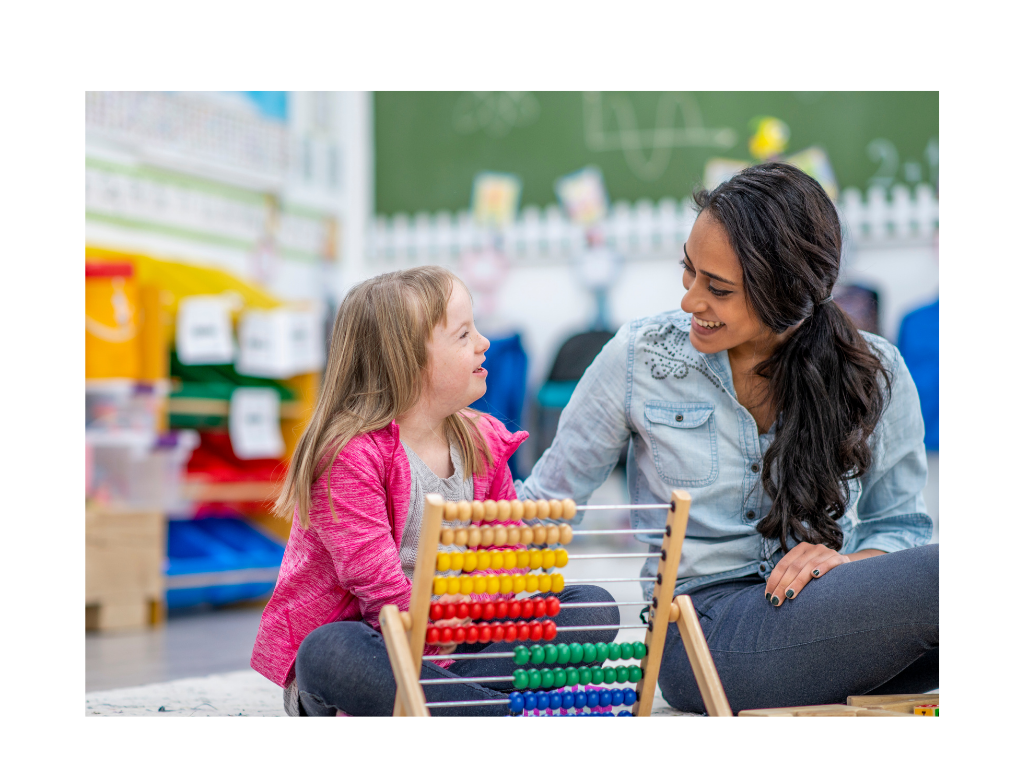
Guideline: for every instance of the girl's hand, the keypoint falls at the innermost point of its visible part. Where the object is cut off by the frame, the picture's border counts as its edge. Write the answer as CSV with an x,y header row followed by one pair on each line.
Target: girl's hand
x,y
801,564
456,622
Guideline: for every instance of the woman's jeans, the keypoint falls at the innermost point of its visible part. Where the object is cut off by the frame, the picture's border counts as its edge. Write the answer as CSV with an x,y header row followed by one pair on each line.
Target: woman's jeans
x,y
344,665
866,627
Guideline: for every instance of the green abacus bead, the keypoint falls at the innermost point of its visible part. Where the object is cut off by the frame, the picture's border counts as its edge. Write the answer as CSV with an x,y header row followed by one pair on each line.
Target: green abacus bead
x,y
520,678
521,654
602,652
639,650
626,650
575,653
560,677
537,654
597,675
622,674
636,674
564,654
550,654
614,651
535,678
572,676
589,653
547,678
586,675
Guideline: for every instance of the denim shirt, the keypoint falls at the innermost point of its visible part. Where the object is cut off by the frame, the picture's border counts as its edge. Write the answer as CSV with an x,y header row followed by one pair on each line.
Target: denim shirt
x,y
677,409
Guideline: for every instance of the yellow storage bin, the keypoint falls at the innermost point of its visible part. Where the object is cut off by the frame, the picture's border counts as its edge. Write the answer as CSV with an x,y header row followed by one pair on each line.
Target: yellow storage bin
x,y
112,349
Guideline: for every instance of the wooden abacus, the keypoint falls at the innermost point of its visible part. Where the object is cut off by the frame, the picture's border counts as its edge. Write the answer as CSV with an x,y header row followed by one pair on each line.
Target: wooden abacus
x,y
405,633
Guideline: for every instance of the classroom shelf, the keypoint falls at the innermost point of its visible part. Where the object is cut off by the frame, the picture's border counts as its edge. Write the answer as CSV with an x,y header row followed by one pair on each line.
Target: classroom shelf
x,y
202,406
227,492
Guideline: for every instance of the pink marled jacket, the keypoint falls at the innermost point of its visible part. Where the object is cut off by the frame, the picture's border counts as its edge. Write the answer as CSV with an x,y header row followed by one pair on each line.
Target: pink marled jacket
x,y
348,569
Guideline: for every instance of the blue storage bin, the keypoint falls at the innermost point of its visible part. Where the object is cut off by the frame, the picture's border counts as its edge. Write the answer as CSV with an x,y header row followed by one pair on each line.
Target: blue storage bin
x,y
219,560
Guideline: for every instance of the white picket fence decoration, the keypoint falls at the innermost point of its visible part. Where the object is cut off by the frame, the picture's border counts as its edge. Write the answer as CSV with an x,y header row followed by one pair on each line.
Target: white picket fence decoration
x,y
639,230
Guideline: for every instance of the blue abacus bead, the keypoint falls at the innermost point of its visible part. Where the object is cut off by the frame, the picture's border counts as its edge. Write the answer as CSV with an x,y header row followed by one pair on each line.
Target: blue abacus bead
x,y
625,713
592,698
616,697
580,697
555,700
543,701
530,701
628,696
515,702
605,699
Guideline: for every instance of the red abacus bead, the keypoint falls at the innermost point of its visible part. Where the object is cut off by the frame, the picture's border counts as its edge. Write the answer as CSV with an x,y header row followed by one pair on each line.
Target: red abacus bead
x,y
475,611
433,635
488,611
550,629
459,635
515,609
462,611
527,609
485,634
446,635
500,609
449,611
472,635
536,631
436,611
553,606
540,608
498,632
526,631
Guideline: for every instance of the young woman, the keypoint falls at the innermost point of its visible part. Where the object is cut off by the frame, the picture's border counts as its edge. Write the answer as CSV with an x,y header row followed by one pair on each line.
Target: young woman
x,y
391,424
800,441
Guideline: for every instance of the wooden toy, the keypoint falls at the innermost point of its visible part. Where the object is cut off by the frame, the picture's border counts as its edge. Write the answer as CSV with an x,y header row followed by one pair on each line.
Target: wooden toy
x,y
572,680
858,706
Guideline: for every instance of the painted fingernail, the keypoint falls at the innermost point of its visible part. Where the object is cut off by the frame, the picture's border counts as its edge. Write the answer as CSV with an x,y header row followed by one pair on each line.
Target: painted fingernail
x,y
775,600
768,595
790,593
815,572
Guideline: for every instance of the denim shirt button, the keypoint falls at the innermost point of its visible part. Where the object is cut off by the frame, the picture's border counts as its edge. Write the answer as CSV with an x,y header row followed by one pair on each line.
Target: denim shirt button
x,y
761,568
751,514
755,467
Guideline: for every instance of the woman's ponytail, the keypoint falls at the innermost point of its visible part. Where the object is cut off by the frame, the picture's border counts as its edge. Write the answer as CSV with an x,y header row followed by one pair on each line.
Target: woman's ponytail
x,y
826,385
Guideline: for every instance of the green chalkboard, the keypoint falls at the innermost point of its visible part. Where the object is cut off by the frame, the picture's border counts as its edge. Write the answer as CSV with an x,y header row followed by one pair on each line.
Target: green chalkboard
x,y
429,145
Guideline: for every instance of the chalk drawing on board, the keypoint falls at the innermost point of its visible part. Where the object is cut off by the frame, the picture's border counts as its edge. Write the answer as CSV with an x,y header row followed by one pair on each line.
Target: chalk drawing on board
x,y
659,141
494,112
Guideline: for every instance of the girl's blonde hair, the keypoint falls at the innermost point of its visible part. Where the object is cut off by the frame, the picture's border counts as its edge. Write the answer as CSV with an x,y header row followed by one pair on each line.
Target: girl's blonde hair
x,y
375,371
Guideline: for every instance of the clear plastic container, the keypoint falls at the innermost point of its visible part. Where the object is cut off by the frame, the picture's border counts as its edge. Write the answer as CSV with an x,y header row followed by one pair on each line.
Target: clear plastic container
x,y
124,406
129,472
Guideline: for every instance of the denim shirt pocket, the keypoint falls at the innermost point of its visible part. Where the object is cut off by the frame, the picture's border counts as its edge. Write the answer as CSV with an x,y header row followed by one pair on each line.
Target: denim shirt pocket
x,y
683,442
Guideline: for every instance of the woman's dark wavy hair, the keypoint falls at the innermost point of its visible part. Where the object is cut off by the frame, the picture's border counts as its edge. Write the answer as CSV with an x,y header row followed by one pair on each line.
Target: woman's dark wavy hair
x,y
826,385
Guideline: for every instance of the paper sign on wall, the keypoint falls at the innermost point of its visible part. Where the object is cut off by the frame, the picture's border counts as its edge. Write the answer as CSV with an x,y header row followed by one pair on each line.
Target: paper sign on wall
x,y
279,343
204,331
254,423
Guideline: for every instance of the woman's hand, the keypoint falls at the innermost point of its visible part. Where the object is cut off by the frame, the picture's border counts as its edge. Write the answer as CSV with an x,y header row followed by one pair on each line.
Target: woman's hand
x,y
801,564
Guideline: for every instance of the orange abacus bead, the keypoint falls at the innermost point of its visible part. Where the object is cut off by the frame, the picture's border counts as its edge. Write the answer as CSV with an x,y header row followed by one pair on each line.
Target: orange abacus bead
x,y
504,510
540,534
543,509
461,537
513,535
564,534
556,509
568,509
473,539
465,511
526,535
447,537
529,509
500,535
478,511
516,512
490,510
487,536
450,511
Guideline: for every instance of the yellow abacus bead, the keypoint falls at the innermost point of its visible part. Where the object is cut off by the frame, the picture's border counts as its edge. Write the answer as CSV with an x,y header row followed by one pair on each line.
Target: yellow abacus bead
x,y
493,585
447,537
522,559
556,509
466,585
440,585
500,536
568,509
564,534
465,511
474,537
451,511
454,586
504,510
457,560
444,561
478,511
506,584
480,585
529,509
483,560
526,535
518,584
544,582
490,510
513,535
540,534
497,560
561,558
536,558
543,509
461,537
548,559
557,582
469,562
487,536
517,510
531,583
